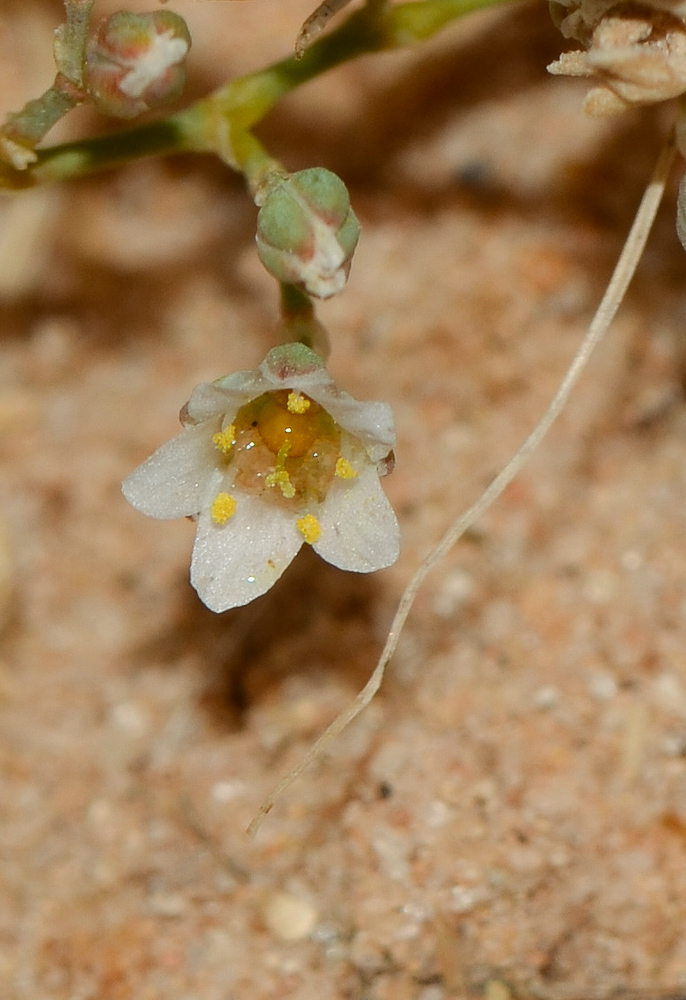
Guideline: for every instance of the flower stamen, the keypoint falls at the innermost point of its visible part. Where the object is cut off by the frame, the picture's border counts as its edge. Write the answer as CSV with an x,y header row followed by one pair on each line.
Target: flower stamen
x,y
344,469
225,440
223,508
297,403
309,528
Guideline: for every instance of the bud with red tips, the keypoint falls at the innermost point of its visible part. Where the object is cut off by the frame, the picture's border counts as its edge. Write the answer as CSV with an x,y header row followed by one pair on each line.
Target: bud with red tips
x,y
136,62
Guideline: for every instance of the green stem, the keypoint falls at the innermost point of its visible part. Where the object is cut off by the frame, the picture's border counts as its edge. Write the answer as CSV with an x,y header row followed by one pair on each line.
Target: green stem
x,y
23,130
36,118
77,159
299,321
411,23
242,151
295,303
70,46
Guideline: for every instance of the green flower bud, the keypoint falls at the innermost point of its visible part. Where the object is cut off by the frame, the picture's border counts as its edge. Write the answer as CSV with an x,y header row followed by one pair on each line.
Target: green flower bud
x,y
307,232
135,62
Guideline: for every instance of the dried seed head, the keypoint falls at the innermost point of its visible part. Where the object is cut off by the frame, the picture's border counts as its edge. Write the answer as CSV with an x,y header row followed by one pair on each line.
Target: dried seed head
x,y
637,52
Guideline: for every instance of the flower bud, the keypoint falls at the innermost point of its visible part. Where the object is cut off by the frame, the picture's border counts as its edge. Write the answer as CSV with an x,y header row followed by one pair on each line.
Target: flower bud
x,y
307,232
135,62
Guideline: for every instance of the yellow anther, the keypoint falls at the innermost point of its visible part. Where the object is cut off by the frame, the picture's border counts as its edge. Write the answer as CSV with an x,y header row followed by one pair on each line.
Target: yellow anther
x,y
225,440
344,469
223,508
297,403
309,528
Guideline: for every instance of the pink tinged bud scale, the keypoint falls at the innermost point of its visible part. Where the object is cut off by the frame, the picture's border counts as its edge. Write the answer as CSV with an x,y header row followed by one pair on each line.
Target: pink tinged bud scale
x,y
307,231
136,62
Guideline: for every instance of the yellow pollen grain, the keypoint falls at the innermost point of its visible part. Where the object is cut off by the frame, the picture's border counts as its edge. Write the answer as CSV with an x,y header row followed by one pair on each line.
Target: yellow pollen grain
x,y
344,469
223,508
225,440
309,528
297,403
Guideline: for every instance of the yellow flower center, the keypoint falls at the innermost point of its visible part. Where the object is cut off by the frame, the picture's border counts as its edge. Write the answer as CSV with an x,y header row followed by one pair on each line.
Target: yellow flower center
x,y
290,418
285,444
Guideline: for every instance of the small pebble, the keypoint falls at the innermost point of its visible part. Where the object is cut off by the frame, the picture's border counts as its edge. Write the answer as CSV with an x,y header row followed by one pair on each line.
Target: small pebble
x,y
602,686
289,918
131,718
496,989
168,904
228,791
433,992
599,586
546,697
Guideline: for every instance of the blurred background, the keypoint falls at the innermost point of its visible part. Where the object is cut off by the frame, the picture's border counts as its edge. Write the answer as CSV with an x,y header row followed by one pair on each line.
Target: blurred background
x,y
508,818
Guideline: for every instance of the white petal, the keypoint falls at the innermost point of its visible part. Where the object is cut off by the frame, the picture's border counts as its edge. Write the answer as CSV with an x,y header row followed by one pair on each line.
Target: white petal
x,y
173,481
225,396
359,529
371,422
236,562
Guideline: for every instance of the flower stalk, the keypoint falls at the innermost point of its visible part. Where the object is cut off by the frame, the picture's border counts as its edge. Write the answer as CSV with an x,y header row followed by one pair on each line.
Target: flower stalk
x,y
299,322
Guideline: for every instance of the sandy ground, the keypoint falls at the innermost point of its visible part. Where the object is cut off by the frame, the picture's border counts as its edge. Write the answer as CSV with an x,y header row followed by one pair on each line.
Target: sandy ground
x,y
509,816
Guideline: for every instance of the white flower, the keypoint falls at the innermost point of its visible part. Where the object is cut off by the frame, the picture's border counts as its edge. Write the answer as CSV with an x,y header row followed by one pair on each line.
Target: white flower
x,y
270,459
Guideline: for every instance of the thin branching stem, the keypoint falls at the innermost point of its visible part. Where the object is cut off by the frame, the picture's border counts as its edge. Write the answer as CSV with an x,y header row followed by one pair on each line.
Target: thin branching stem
x,y
23,130
221,122
72,38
